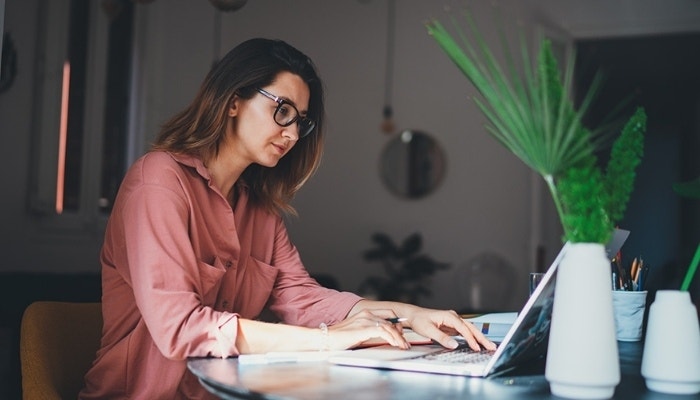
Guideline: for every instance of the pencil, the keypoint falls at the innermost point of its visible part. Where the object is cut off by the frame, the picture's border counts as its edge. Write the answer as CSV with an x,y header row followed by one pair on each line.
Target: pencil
x,y
634,269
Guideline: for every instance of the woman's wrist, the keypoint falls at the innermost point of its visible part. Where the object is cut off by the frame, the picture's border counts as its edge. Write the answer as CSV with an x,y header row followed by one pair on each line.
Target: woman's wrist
x,y
402,310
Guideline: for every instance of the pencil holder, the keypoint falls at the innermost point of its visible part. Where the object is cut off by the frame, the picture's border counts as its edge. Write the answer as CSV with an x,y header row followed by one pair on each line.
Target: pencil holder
x,y
628,309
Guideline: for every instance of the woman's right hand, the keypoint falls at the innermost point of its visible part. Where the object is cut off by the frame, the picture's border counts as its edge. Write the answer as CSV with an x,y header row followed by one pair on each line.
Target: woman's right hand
x,y
363,326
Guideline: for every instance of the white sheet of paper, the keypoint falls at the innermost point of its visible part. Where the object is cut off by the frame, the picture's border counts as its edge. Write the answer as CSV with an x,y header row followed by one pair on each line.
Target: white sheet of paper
x,y
496,318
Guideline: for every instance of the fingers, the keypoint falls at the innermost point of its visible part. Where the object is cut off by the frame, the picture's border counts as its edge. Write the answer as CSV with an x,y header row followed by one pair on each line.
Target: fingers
x,y
447,323
473,336
385,318
391,334
371,325
445,340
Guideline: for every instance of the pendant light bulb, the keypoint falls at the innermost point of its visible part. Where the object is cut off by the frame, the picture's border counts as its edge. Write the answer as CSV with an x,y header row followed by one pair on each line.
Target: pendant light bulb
x,y
387,125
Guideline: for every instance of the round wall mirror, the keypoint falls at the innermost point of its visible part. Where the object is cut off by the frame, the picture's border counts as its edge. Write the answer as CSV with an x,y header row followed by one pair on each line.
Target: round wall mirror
x,y
412,164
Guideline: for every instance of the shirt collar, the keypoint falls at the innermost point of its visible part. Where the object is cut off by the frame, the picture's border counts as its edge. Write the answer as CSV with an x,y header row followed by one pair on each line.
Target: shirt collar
x,y
196,163
193,162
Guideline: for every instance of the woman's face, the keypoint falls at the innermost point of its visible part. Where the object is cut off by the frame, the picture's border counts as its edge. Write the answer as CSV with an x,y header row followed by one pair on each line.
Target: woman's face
x,y
252,134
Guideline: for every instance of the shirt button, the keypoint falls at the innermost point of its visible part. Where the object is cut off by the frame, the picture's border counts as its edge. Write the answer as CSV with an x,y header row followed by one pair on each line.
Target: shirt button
x,y
229,263
225,304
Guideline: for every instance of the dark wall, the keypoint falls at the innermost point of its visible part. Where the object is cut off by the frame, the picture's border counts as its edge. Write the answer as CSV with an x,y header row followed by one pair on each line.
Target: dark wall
x,y
659,73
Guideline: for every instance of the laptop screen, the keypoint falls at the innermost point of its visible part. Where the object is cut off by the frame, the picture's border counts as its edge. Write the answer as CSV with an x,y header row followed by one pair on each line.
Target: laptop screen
x,y
529,338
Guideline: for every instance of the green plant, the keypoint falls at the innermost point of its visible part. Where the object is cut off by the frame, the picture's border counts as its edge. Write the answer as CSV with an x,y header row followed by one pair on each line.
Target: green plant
x,y
406,269
690,189
530,112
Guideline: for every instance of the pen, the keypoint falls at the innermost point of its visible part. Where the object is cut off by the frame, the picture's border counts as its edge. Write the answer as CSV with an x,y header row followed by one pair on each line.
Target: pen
x,y
622,276
643,275
395,320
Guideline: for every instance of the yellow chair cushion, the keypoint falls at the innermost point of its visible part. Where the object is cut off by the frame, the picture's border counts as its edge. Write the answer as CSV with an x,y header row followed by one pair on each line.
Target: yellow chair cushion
x,y
58,342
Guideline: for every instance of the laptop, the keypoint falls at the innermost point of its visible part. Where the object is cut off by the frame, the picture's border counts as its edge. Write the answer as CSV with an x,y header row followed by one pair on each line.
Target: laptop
x,y
526,341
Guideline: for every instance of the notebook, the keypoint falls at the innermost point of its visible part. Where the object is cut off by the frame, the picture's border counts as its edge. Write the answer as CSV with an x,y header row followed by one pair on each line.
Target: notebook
x,y
525,342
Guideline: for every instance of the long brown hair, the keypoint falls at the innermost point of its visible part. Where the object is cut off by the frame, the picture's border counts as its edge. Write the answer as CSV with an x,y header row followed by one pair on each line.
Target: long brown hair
x,y
199,129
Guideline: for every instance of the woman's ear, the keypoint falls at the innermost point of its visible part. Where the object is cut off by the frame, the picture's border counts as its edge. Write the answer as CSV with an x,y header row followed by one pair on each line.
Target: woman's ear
x,y
233,106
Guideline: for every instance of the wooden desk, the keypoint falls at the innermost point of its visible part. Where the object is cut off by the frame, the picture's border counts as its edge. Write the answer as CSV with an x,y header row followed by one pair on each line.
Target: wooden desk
x,y
302,381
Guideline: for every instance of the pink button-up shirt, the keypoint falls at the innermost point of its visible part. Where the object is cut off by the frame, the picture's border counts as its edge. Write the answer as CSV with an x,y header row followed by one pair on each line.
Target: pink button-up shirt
x,y
179,266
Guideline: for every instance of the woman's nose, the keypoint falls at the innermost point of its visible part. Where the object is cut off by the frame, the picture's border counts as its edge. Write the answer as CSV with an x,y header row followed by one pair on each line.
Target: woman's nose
x,y
291,132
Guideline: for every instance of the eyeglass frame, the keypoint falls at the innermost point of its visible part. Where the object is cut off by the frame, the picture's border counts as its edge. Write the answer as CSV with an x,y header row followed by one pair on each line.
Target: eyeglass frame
x,y
298,118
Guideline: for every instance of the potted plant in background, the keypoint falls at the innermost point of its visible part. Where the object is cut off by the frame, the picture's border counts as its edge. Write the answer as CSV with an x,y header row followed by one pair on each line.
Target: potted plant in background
x,y
530,112
406,269
690,189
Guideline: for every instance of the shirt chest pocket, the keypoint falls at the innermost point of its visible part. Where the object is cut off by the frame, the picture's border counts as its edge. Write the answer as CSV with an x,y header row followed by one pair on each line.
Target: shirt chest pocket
x,y
210,277
255,285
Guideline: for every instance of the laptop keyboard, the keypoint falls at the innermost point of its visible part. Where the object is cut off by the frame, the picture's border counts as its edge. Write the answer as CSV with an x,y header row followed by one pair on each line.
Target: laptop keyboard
x,y
461,355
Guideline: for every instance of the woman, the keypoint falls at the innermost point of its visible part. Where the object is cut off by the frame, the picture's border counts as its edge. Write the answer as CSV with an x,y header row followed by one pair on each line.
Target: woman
x,y
196,248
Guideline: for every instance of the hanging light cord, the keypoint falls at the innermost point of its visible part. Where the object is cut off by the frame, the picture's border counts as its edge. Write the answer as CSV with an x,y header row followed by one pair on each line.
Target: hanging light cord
x,y
217,36
388,111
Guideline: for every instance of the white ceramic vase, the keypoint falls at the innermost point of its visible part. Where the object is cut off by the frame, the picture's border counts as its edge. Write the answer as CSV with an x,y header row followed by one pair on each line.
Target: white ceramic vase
x,y
582,356
671,358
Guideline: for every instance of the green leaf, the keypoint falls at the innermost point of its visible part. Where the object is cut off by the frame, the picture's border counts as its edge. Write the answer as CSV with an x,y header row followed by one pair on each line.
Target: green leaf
x,y
688,189
585,219
531,113
625,156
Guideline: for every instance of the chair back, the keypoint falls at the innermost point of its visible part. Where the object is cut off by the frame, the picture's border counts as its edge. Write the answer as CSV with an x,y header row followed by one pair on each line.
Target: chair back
x,y
58,343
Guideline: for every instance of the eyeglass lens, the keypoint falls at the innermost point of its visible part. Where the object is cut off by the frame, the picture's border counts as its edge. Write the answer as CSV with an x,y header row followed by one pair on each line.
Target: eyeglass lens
x,y
286,114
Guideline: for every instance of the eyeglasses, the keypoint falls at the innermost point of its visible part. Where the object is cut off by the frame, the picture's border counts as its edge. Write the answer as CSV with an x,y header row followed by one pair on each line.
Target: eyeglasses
x,y
286,114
